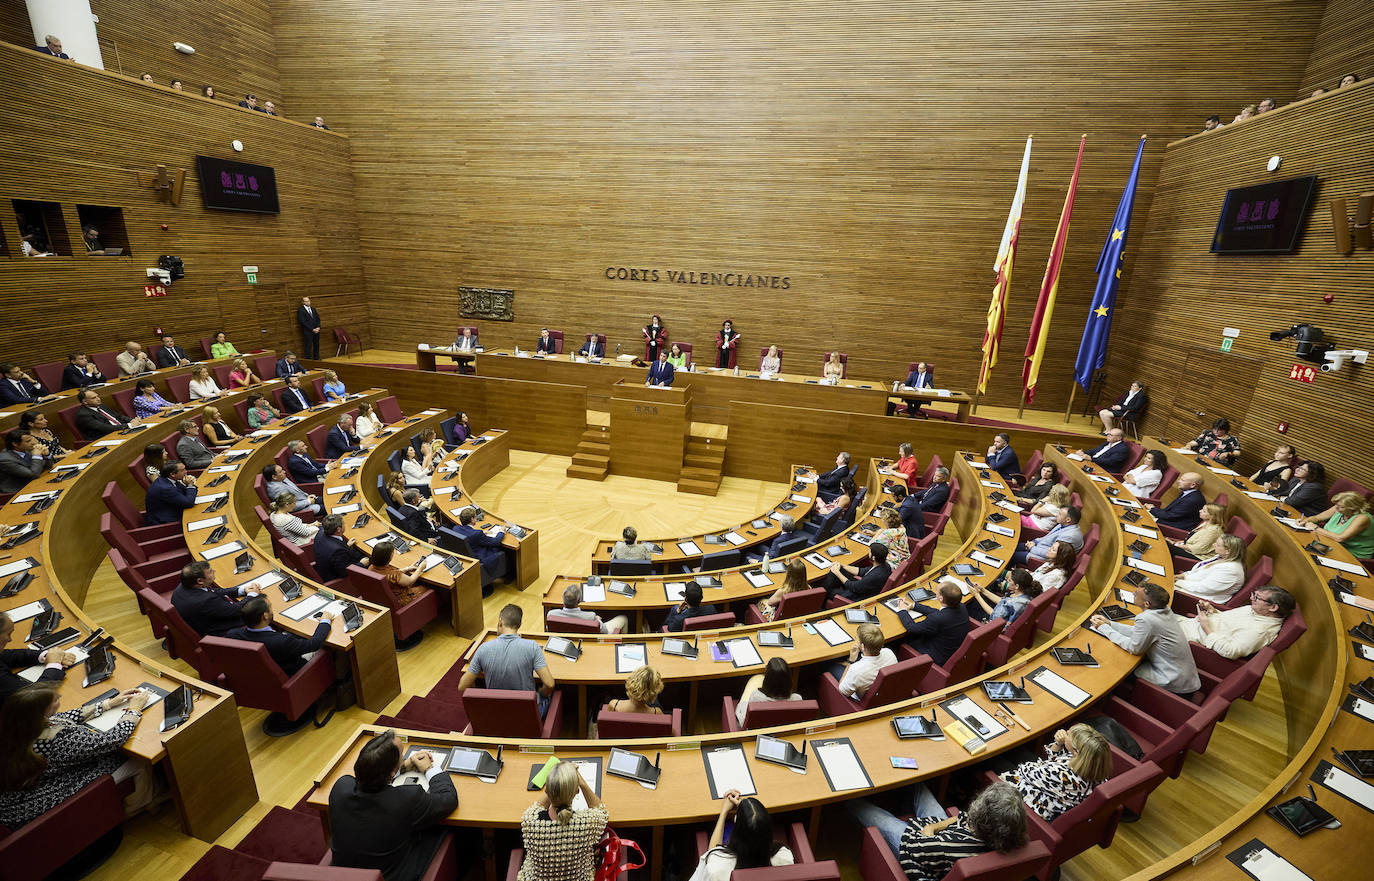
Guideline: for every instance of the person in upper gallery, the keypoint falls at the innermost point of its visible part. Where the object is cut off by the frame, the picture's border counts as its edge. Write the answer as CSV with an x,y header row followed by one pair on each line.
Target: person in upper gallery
x,y
217,431
147,402
340,441
90,237
510,661
1349,79
1065,529
269,108
52,45
1307,490
1129,407
655,338
333,553
208,609
1347,521
404,582
561,842
1240,632
222,348
1002,458
21,461
866,581
906,466
1200,542
1318,92
572,610
690,607
677,357
319,123
176,85
35,422
1245,113
250,101
207,91
1217,443
275,482
545,345
1157,635
294,398
842,501
893,535
334,389
289,651
910,511
368,423
1279,470
660,372
94,420
489,549
593,347
1265,105
1076,761
80,372
833,369
793,579
1045,480
54,661
172,493
394,829
203,384
28,245
171,355
261,412
415,520
289,366
190,449
1045,514
1184,511
133,361
1054,572
1110,455
828,484
1211,123
291,527
1218,577
727,344
309,322
771,364
941,631
630,547
773,684
147,77
18,387
1144,478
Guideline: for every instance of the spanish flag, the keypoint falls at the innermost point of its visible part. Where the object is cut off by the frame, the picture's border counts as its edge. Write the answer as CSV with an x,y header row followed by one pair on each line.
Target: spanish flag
x,y
1044,307
1006,256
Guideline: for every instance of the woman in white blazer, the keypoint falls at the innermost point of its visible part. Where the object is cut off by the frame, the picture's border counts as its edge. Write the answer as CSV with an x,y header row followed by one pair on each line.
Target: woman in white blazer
x,y
1216,580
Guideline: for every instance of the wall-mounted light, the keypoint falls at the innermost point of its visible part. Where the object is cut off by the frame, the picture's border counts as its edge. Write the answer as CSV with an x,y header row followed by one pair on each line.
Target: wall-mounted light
x,y
184,48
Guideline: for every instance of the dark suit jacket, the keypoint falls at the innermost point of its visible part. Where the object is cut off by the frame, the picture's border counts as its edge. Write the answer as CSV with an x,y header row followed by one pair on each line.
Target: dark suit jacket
x,y
333,556
939,634
292,402
17,470
285,648
10,682
869,582
171,358
676,619
592,349
1141,401
661,373
546,347
1183,512
284,369
395,830
210,612
26,393
933,497
782,538
166,500
488,550
1113,460
75,377
337,443
921,381
305,469
1005,462
308,319
910,512
46,51
92,424
417,524
829,482
1309,497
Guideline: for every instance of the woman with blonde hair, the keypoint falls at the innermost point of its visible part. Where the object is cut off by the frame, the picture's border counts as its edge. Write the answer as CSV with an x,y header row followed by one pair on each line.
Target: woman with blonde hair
x,y
395,488
793,579
894,536
241,376
1077,761
1199,542
291,527
1042,516
1348,522
203,385
642,689
217,432
560,842
834,370
1216,579
333,386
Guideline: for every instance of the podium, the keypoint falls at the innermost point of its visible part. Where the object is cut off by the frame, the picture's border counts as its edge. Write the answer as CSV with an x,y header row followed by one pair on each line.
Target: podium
x,y
649,429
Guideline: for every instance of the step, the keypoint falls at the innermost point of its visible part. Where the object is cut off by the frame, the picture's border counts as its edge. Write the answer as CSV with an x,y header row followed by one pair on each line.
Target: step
x,y
586,473
700,487
701,444
597,435
694,473
698,460
591,460
593,447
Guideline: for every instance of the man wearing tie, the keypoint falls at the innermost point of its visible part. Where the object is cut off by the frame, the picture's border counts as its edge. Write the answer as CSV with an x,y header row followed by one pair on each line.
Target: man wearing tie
x,y
171,355
309,320
21,461
304,467
547,345
289,366
341,440
18,387
287,649
95,420
592,348
1112,454
661,373
80,372
1002,458
293,397
169,495
919,378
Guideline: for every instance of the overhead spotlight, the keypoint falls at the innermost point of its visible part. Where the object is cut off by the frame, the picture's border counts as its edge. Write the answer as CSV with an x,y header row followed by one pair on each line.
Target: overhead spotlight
x,y
184,48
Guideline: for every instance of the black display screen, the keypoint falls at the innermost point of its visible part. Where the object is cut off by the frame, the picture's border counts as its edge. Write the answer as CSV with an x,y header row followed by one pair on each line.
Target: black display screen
x,y
1265,218
237,186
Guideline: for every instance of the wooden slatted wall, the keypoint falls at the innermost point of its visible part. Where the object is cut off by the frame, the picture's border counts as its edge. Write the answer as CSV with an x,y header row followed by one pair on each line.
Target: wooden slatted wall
x,y
1181,295
1344,44
867,151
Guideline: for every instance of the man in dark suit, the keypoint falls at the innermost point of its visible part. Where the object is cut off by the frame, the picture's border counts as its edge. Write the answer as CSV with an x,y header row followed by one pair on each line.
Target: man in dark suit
x,y
546,345
80,372
787,531
394,829
1111,454
909,509
54,660
592,348
169,495
1185,511
690,607
867,581
415,522
250,101
341,440
1002,458
1307,490
95,420
660,372
828,484
293,397
17,387
304,467
286,649
21,461
171,355
488,549
52,46
933,497
206,608
287,366
919,378
309,321
1129,407
939,634
333,553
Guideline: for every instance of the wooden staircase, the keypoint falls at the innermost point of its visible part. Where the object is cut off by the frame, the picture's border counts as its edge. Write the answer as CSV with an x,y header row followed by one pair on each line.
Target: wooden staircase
x,y
593,457
701,466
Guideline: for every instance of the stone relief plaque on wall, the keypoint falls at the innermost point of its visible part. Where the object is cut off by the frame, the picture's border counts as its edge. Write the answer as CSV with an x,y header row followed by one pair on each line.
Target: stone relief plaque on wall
x,y
491,304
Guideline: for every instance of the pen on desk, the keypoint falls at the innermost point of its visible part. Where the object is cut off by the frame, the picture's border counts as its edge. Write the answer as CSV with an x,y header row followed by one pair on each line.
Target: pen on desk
x,y
1312,792
657,756
499,749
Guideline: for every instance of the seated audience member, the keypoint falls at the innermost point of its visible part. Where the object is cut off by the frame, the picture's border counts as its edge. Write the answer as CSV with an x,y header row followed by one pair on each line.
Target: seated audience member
x,y
1112,453
242,376
368,423
169,495
90,237
404,582
909,509
1217,443
840,502
1265,105
1002,458
217,431
275,482
787,530
677,357
1054,572
1201,540
1245,113
1158,636
828,484
54,661
690,607
261,413
592,348
133,361
1307,490
221,347
727,344
771,364
418,471
48,755
510,662
1040,485
941,631
1240,632
147,402
893,537
269,108
207,608
854,583
562,842
832,370
396,830
333,387
1065,529
750,844
1218,578
190,449
1184,511
21,461
773,684
176,85
294,398
1349,79
28,245
1143,479
1212,122
1076,761
80,372
906,466
291,527
642,688
207,91
333,553
288,650
486,547
53,46
94,420
1347,521
415,516
250,101
866,658
793,579
1044,515
319,123
394,489
1279,470
171,355
287,366
154,457
340,441
928,845
18,387
1318,92
1021,589
35,422
630,547
203,384
660,372
572,609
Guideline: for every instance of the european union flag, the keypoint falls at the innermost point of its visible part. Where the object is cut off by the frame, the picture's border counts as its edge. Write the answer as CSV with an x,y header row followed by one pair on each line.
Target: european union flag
x,y
1092,351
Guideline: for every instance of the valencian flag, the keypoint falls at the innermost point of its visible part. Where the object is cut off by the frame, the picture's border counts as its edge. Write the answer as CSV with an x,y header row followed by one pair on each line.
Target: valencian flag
x,y
1049,288
1006,256
1092,352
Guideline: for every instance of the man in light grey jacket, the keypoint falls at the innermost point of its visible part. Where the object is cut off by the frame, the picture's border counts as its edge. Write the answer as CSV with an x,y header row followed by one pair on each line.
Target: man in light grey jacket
x,y
1158,635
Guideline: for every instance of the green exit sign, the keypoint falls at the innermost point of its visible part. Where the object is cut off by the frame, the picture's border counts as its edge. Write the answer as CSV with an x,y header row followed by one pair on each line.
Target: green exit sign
x,y
253,279
1225,343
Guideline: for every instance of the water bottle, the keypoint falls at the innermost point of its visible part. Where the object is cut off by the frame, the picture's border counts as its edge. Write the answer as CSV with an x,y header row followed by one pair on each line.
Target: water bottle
x,y
737,370
894,385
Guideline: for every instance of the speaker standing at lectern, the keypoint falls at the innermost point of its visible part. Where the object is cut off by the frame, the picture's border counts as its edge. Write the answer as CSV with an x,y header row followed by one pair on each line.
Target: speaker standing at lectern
x,y
661,372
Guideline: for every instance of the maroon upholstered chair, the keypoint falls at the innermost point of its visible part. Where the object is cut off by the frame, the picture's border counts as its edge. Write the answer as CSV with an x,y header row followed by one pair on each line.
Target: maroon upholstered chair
x,y
118,503
136,581
615,726
68,417
257,681
288,835
1046,620
265,366
766,714
895,682
687,350
965,663
929,473
1018,634
442,866
223,864
179,387
205,344
428,713
797,842
792,605
123,401
164,552
44,844
345,338
221,372
315,437
108,363
556,623
1092,821
407,621
498,712
1166,482
182,641
557,337
389,409
844,363
877,862
50,375
706,622
600,338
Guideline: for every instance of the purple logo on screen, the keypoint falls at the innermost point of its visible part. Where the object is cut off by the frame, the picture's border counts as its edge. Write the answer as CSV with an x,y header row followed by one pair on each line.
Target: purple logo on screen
x,y
226,179
1244,214
1273,209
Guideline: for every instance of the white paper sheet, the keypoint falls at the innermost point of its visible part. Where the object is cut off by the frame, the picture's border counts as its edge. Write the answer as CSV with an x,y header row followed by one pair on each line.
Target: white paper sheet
x,y
984,558
1145,566
433,560
1098,478
734,538
778,515
216,553
1125,503
26,498
1364,651
593,593
26,611
1363,708
806,478
998,529
262,582
730,770
1263,497
305,607
107,720
1352,568
964,707
817,560
442,490
1222,471
221,469
1139,530
1074,457
17,566
1009,506
743,652
208,522
1350,786
1124,595
842,766
675,590
1358,602
346,509
689,548
1269,866
1061,687
212,497
629,658
339,490
757,579
977,464
992,484
107,443
1293,522
72,466
589,772
832,632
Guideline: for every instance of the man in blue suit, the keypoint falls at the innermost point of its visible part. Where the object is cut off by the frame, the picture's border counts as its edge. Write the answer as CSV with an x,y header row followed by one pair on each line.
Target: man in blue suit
x,y
919,378
828,484
1111,454
173,492
304,467
909,509
1185,511
293,397
1002,458
341,440
939,632
208,610
333,553
52,46
286,649
592,348
488,549
289,366
17,387
661,372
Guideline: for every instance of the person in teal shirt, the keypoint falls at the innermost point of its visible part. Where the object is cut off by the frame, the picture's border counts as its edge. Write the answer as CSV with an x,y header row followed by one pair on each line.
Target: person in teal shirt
x,y
1347,521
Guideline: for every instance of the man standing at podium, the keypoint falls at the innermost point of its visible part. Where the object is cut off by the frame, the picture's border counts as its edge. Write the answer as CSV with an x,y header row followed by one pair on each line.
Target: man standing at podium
x,y
661,372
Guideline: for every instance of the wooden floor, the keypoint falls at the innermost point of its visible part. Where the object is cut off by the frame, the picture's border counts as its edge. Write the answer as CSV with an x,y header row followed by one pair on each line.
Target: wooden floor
x,y
571,515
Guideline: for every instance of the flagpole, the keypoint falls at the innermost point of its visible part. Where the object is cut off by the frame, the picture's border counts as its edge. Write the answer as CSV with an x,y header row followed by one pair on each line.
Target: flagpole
x,y
1021,409
1068,411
